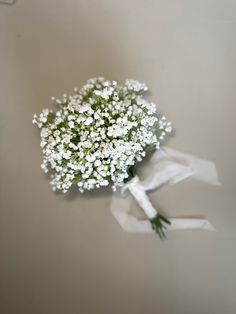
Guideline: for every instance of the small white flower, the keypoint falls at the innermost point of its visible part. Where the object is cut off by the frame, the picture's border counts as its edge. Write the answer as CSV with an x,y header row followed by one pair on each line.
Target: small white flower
x,y
90,158
71,124
97,163
88,121
115,131
67,154
44,133
104,183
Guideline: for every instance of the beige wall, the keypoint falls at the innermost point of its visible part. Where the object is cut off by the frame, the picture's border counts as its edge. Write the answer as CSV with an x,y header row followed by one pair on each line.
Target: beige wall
x,y
64,255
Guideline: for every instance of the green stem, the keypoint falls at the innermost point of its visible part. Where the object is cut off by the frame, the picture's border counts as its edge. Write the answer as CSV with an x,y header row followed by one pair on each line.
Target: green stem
x,y
159,223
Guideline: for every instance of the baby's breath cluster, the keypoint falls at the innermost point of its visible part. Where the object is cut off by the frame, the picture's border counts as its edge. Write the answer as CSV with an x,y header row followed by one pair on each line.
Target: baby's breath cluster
x,y
98,134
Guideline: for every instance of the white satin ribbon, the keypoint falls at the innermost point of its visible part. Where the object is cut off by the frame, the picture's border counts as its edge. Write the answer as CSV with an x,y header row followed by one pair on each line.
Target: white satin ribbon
x,y
167,166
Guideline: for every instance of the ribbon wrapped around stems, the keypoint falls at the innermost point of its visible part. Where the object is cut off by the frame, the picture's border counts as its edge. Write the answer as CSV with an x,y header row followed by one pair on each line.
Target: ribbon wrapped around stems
x,y
166,166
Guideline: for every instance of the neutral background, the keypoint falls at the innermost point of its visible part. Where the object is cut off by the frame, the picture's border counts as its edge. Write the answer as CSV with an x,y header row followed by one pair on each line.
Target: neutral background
x,y
66,254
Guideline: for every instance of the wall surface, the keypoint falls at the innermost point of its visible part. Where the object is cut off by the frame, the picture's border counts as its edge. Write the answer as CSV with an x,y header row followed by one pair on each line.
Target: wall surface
x,y
66,254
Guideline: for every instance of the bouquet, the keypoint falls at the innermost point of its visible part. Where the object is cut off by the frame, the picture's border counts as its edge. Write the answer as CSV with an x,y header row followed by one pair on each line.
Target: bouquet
x,y
97,137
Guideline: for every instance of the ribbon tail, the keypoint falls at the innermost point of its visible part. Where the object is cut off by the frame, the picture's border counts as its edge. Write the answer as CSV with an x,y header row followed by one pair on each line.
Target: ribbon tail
x,y
129,223
120,210
203,169
190,223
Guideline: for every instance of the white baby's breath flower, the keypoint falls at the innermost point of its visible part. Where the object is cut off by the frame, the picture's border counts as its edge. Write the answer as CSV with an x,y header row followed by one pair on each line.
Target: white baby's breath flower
x,y
88,121
71,124
98,133
44,133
